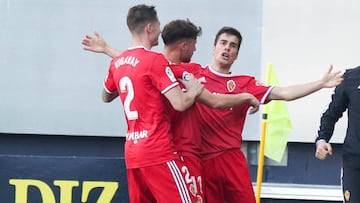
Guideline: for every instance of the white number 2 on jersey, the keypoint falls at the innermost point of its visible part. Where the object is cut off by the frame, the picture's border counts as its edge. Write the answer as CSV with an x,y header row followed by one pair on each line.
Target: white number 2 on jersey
x,y
127,86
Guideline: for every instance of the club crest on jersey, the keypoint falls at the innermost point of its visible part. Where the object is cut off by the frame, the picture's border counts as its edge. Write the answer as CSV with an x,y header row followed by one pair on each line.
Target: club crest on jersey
x,y
231,85
170,74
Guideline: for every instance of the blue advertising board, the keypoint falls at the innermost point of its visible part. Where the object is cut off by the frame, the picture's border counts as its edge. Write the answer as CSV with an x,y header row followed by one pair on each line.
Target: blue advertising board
x,y
62,169
48,179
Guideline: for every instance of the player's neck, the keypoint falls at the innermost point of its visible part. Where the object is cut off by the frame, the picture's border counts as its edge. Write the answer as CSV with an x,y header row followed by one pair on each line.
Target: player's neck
x,y
221,68
172,56
141,42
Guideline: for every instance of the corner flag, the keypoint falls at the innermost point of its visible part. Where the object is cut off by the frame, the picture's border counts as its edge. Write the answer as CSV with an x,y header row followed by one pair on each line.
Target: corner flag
x,y
278,122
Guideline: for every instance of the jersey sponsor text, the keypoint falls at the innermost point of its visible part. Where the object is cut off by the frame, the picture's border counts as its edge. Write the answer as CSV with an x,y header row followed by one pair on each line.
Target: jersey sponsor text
x,y
135,136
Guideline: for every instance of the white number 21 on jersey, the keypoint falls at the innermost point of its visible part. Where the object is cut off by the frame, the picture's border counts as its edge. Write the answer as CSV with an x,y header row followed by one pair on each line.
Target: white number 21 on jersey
x,y
127,86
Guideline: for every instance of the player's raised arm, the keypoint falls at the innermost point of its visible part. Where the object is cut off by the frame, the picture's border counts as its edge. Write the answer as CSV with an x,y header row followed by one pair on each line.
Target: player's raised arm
x,y
329,80
98,44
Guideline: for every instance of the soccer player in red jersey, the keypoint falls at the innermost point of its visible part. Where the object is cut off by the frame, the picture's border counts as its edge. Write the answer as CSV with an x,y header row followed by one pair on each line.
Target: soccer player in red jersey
x,y
145,83
226,175
179,37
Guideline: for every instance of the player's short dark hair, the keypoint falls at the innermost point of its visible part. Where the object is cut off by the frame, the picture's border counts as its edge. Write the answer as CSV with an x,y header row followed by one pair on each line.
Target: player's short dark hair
x,y
139,16
230,31
179,29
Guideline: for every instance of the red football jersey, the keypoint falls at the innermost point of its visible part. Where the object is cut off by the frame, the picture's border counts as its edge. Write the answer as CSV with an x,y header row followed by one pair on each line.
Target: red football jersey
x,y
141,77
221,129
185,125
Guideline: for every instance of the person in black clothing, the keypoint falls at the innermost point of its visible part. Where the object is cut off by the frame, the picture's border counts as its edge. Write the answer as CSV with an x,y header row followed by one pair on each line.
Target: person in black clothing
x,y
345,97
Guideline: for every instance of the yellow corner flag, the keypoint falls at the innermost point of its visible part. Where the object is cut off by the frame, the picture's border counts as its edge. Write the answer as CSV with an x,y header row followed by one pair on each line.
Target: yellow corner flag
x,y
278,121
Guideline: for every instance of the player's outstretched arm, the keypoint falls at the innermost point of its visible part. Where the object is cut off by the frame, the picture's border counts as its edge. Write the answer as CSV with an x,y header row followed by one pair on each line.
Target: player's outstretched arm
x,y
225,101
329,80
98,44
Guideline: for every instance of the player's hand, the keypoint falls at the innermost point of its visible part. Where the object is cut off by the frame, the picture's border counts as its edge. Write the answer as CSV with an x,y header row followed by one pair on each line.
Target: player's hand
x,y
94,43
323,149
254,104
332,79
192,84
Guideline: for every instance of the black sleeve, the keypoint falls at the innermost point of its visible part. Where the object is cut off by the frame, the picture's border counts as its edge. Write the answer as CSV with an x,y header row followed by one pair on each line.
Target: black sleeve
x,y
335,110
